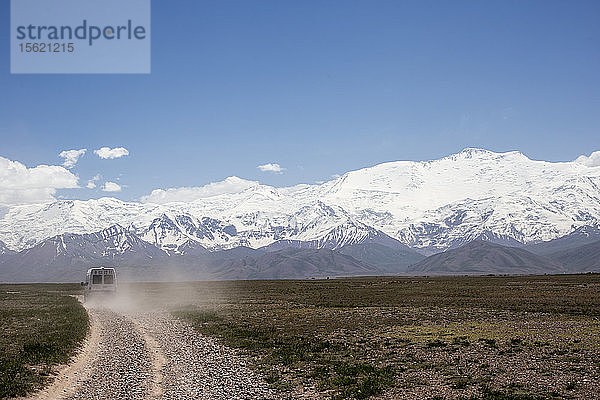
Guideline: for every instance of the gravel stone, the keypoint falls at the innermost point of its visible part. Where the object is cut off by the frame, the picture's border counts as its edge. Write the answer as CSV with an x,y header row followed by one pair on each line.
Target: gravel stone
x,y
152,355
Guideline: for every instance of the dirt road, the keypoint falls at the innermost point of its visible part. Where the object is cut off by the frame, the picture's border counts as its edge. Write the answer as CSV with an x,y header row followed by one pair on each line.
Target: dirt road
x,y
151,355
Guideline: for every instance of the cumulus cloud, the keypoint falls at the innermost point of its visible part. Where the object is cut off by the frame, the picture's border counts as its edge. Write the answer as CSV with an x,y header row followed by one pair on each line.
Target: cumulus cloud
x,y
71,157
22,185
592,161
108,153
111,187
231,185
92,182
271,167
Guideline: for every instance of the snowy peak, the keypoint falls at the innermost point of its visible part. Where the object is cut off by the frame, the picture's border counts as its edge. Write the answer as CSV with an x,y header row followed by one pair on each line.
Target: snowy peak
x,y
182,232
4,250
429,205
351,233
477,153
113,244
114,232
116,240
321,226
504,194
229,186
165,234
472,171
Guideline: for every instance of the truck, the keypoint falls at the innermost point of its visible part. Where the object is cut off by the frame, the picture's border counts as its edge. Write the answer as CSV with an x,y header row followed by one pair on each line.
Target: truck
x,y
100,283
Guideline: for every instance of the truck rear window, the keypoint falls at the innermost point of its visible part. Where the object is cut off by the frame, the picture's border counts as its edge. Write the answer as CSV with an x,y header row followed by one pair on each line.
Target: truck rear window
x,y
109,279
97,279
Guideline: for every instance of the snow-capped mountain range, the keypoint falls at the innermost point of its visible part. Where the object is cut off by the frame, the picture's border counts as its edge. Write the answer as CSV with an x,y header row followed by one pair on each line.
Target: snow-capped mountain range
x,y
429,206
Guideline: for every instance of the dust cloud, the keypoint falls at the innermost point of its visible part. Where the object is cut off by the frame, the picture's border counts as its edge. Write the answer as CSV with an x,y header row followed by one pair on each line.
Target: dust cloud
x,y
163,291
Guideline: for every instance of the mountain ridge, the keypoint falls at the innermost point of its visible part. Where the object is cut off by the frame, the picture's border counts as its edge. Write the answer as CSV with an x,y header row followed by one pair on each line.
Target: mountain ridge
x,y
479,257
585,258
579,237
65,257
429,206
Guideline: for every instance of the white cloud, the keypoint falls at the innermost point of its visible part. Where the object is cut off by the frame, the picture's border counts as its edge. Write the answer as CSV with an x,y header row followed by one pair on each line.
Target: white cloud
x,y
231,185
592,161
271,167
71,157
92,182
108,153
22,185
111,187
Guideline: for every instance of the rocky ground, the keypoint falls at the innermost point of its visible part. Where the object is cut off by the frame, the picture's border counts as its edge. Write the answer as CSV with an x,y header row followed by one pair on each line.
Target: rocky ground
x,y
383,338
197,367
142,355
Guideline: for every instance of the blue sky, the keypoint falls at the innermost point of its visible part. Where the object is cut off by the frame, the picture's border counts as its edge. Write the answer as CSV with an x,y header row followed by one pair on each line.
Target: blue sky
x,y
319,87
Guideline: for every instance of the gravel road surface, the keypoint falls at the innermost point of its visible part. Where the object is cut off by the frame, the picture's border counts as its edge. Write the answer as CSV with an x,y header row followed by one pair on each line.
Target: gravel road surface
x,y
151,355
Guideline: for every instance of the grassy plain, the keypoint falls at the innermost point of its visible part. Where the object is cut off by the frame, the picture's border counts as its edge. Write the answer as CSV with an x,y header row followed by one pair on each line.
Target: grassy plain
x,y
532,337
41,326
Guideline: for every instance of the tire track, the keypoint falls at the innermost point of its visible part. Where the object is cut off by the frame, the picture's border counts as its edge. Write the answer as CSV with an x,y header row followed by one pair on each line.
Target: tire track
x,y
122,367
69,377
151,355
158,361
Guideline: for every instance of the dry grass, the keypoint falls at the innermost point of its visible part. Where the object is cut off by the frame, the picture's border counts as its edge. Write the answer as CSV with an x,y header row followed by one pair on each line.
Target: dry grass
x,y
465,337
41,327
